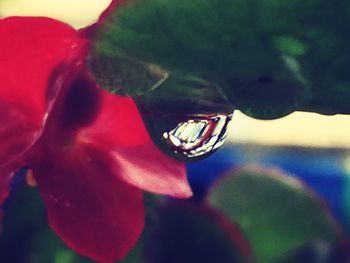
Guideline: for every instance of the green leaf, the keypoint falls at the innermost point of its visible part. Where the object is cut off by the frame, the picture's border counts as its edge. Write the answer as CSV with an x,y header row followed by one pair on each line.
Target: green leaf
x,y
125,75
278,214
268,57
184,95
289,45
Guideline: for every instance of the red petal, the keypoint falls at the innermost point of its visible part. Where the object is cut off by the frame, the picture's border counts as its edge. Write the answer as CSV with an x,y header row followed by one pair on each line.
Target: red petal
x,y
30,49
149,169
119,131
117,124
96,214
112,125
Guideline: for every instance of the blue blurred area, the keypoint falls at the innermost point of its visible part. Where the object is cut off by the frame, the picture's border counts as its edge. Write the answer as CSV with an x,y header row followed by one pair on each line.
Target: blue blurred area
x,y
15,186
322,169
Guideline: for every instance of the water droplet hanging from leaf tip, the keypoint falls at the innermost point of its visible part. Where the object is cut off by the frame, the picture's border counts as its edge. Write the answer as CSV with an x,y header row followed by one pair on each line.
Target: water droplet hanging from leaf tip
x,y
188,137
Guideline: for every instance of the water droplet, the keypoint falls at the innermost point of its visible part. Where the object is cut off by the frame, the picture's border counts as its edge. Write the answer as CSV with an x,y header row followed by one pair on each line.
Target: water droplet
x,y
189,137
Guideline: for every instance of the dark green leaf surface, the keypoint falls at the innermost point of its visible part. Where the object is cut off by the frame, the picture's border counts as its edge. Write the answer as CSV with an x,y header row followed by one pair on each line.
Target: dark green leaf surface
x,y
268,57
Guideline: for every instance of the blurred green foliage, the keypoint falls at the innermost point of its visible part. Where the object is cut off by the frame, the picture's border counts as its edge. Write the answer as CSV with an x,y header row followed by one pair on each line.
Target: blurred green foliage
x,y
278,214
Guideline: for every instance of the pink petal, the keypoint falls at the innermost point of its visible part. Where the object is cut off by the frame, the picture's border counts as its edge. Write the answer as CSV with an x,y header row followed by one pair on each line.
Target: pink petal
x,y
94,212
30,50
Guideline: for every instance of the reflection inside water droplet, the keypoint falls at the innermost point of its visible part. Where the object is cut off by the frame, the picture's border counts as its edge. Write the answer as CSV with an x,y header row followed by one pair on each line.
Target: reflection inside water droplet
x,y
197,137
188,138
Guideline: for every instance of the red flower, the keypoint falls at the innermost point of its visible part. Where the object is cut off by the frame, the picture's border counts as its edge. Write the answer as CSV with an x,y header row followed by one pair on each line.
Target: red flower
x,y
89,151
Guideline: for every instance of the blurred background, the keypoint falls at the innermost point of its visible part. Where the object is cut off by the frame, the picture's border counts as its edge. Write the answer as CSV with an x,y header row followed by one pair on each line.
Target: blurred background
x,y
311,150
